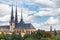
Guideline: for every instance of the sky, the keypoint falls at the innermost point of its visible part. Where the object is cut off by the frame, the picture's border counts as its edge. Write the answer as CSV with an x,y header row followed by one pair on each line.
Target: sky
x,y
40,13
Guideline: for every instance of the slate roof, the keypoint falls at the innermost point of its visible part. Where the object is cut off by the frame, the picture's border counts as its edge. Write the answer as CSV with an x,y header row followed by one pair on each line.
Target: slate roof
x,y
21,24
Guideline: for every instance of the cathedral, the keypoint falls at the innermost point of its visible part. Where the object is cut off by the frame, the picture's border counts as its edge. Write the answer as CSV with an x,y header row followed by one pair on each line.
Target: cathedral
x,y
17,27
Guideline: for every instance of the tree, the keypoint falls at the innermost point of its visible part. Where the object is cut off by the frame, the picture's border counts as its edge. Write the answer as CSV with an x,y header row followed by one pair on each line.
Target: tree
x,y
19,37
2,36
15,36
48,34
38,34
28,37
8,37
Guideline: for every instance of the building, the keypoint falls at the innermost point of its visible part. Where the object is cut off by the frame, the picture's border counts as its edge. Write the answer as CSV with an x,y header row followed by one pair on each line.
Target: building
x,y
50,28
54,32
17,27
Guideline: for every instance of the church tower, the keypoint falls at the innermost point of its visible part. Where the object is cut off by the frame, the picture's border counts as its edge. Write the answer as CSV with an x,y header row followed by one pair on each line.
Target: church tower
x,y
50,28
12,23
16,18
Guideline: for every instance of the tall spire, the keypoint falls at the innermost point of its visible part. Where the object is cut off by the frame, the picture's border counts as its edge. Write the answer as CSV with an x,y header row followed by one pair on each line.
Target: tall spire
x,y
16,18
12,15
50,28
21,22
21,15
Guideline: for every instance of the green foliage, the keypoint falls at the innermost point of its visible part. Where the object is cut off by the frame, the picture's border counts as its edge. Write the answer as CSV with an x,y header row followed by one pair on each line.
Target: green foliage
x,y
45,39
11,37
48,34
37,35
7,37
2,36
16,36
57,37
28,37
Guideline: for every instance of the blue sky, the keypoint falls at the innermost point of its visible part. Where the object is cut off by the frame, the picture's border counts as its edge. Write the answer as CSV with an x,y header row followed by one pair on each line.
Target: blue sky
x,y
41,13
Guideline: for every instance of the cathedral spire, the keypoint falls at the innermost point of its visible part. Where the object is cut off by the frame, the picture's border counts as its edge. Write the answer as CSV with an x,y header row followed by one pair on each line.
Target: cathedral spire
x,y
21,15
12,15
16,18
21,22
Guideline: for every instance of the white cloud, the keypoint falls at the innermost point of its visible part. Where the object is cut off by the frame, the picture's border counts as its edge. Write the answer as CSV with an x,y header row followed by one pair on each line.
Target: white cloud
x,y
46,2
51,3
41,27
4,24
48,12
5,18
57,2
26,18
52,21
45,27
5,11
